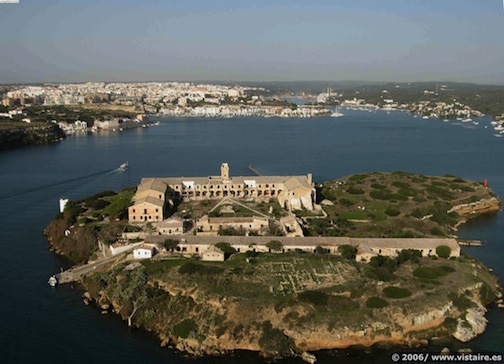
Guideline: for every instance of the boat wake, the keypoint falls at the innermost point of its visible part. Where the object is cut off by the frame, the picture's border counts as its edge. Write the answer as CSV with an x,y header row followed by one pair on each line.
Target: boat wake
x,y
52,185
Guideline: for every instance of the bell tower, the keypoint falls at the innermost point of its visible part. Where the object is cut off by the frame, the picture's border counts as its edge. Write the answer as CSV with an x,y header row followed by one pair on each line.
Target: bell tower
x,y
224,171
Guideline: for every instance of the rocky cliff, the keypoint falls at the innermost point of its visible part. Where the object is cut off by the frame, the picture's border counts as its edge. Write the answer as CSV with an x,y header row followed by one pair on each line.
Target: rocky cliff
x,y
222,307
30,135
482,206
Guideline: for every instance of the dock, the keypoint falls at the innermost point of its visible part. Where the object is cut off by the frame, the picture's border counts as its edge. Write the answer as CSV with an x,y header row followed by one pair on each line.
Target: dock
x,y
253,170
470,243
75,273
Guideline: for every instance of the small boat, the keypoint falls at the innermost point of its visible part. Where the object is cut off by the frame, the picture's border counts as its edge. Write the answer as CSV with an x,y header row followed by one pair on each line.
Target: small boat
x,y
336,113
308,357
123,166
52,281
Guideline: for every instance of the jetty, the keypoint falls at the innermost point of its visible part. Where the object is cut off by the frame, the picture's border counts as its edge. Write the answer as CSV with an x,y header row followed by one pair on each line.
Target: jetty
x,y
253,170
75,273
470,242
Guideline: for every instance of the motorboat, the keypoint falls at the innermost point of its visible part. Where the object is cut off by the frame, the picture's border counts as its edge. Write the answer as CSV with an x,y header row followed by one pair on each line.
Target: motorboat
x,y
52,281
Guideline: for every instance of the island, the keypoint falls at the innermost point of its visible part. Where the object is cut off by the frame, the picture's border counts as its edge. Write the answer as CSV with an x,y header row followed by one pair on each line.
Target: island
x,y
282,265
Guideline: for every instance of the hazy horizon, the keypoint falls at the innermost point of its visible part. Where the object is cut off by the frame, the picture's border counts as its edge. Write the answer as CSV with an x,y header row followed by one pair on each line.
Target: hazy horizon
x,y
264,41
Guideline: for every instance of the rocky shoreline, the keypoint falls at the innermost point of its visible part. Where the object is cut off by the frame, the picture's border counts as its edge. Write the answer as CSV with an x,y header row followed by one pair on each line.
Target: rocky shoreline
x,y
36,135
245,329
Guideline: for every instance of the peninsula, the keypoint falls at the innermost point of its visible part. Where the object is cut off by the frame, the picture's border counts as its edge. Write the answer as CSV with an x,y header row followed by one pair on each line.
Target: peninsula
x,y
280,264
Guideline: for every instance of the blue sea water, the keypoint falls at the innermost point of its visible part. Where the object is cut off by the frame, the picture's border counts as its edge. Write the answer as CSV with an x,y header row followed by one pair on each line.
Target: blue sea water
x,y
40,324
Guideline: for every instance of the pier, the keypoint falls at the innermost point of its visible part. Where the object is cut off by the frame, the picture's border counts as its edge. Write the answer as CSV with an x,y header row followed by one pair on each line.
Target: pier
x,y
75,273
253,170
470,242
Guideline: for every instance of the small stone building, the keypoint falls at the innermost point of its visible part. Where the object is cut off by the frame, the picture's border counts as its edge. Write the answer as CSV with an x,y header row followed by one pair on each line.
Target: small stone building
x,y
172,226
213,254
211,225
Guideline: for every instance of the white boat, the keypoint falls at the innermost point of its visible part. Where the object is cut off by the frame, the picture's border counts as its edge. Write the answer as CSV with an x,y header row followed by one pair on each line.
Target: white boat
x,y
498,135
52,281
425,117
336,113
123,166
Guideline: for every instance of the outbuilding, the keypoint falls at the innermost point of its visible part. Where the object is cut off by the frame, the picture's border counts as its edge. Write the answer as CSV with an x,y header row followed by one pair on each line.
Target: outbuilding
x,y
213,254
143,252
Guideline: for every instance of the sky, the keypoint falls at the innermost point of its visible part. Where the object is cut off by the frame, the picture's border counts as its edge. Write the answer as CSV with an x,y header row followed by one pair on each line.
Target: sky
x,y
238,40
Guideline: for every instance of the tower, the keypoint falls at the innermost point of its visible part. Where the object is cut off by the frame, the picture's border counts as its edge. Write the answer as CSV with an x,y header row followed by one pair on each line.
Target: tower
x,y
224,171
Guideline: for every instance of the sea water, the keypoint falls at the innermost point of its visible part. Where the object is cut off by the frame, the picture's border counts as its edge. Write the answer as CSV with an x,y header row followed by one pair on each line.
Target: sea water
x,y
40,324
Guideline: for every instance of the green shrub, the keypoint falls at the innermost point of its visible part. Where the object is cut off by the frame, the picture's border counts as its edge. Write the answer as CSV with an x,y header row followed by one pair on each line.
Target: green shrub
x,y
384,262
381,194
400,184
376,302
315,298
428,272
396,292
419,198
409,254
443,251
170,244
273,341
391,211
274,245
346,202
226,248
379,274
347,251
321,250
355,190
184,328
378,186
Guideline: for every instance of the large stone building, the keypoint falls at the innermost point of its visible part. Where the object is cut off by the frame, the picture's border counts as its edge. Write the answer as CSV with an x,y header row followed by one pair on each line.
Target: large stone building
x,y
148,203
292,192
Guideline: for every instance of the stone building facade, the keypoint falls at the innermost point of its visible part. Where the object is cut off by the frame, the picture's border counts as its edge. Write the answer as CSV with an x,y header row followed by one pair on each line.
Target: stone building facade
x,y
292,192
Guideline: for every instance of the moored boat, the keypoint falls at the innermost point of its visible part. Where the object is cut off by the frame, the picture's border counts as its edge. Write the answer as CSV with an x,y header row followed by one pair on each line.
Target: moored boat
x,y
52,281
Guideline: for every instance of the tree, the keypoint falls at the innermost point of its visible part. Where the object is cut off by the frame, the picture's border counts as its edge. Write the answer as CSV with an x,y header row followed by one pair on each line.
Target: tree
x,y
320,250
347,251
226,248
443,251
409,254
170,244
131,291
274,245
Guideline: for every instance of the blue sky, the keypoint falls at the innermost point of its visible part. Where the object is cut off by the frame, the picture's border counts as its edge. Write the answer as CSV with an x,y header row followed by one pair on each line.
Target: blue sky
x,y
375,40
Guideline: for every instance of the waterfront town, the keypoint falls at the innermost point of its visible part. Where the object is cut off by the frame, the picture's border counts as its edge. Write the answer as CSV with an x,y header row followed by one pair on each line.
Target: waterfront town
x,y
182,99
